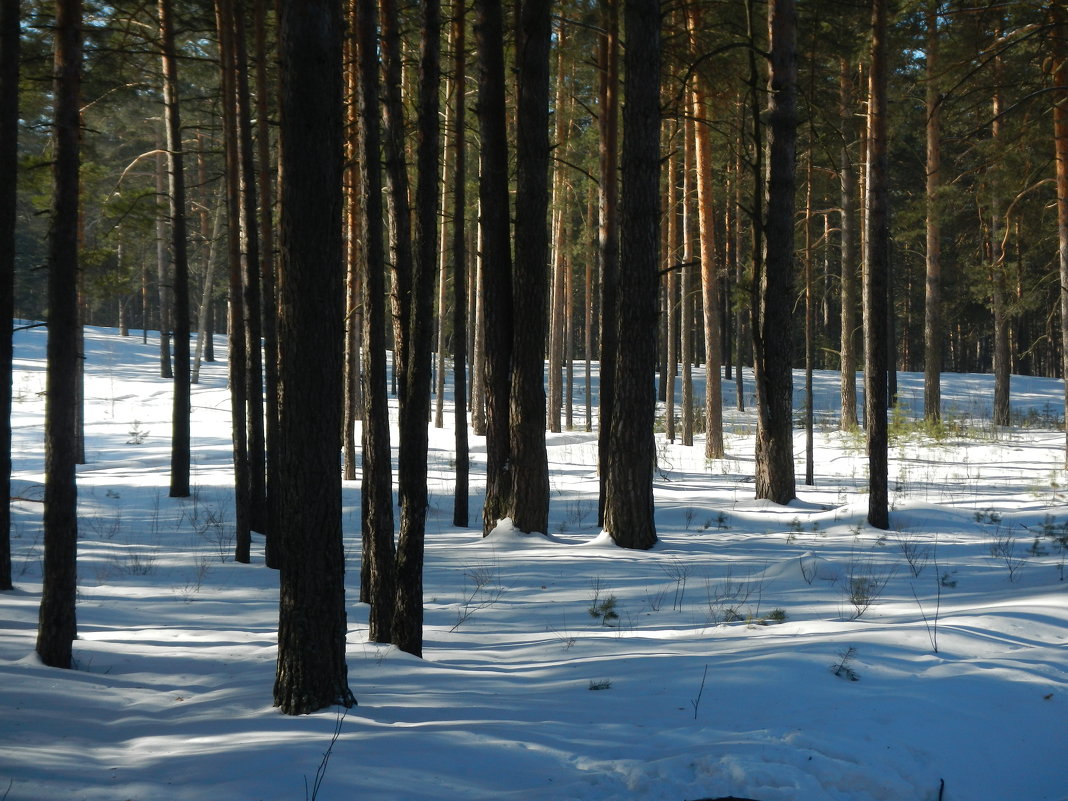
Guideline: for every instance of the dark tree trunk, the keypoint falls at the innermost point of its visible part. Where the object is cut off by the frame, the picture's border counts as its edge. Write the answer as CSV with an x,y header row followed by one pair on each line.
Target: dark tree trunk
x,y
849,269
58,621
250,278
875,276
419,327
775,438
9,126
629,517
268,284
377,484
608,206
311,671
163,273
459,269
496,257
179,256
530,471
237,342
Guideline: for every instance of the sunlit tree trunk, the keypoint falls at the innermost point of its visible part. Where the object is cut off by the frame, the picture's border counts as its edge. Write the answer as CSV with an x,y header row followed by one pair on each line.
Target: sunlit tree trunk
x,y
671,297
932,325
999,291
850,265
686,304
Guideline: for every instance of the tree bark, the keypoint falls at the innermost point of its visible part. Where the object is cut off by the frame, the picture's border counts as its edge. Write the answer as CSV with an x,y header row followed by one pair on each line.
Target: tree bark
x,y
57,626
377,479
1002,359
311,670
875,276
686,275
1059,16
163,277
529,507
496,258
9,127
670,366
774,443
559,236
608,202
849,269
180,434
419,328
237,341
629,513
459,270
932,320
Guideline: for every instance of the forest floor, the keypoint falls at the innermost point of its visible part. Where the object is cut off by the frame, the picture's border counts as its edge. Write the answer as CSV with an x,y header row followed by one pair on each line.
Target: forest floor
x,y
780,653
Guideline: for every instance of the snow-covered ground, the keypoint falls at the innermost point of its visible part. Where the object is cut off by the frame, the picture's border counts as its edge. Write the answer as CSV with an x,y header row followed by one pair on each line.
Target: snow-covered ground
x,y
774,653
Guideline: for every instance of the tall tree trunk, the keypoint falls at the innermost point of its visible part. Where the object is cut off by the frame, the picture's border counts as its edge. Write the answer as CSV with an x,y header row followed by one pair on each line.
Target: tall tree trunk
x,y
354,259
849,269
587,308
163,273
932,319
608,202
774,443
672,306
496,257
529,507
686,305
1059,16
311,670
1002,359
443,259
710,292
810,326
377,486
875,276
9,127
57,625
419,327
237,341
179,254
559,236
629,513
478,337
268,284
459,270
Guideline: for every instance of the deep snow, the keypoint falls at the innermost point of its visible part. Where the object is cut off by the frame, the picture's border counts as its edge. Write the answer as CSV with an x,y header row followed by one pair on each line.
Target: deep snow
x,y
725,669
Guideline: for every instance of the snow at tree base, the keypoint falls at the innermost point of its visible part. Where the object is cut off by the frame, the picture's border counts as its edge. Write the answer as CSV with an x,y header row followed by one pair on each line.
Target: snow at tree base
x,y
759,651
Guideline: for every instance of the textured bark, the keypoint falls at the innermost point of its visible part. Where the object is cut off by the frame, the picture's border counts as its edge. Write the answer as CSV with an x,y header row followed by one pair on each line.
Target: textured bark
x,y
311,669
377,479
932,318
1059,16
9,126
236,337
670,366
629,512
459,269
496,257
419,327
999,290
529,508
875,276
559,237
849,269
608,202
57,626
163,273
710,290
774,380
686,276
179,255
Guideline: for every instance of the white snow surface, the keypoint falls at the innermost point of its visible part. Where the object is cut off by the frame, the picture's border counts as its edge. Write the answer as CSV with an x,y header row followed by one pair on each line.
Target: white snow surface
x,y
719,665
